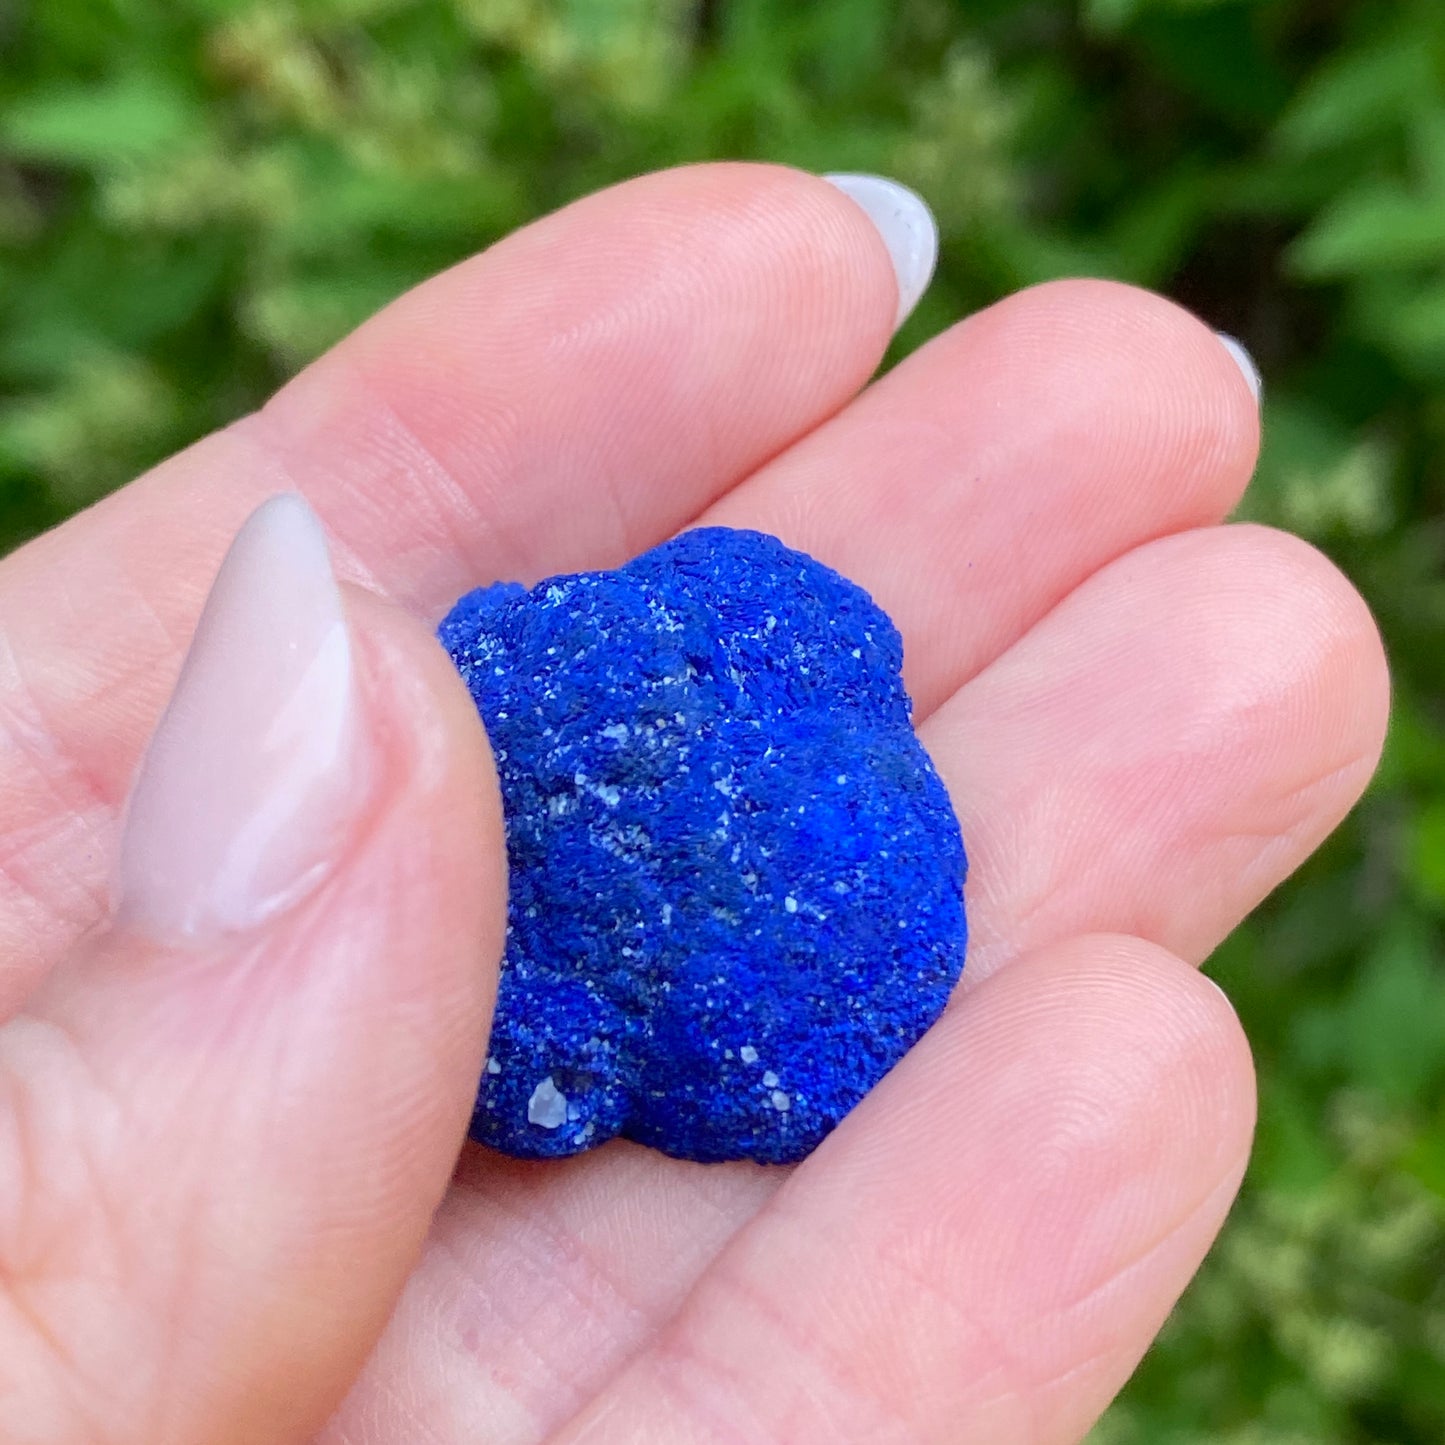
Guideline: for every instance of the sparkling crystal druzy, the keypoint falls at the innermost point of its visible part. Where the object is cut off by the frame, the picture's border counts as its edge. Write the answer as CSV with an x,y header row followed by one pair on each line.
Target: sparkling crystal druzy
x,y
736,892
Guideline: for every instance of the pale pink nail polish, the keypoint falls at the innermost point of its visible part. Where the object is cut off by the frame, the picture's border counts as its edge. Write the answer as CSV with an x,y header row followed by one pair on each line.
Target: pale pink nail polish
x,y
257,767
906,225
1244,361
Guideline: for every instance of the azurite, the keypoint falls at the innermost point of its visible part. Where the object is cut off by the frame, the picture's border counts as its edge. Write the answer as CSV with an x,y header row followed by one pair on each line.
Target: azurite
x,y
736,891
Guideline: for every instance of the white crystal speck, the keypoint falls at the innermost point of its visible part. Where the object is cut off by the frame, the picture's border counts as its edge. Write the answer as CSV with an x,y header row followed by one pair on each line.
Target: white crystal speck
x,y
547,1108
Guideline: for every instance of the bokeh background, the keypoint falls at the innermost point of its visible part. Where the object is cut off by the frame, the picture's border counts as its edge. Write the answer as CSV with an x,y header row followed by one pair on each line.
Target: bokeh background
x,y
198,195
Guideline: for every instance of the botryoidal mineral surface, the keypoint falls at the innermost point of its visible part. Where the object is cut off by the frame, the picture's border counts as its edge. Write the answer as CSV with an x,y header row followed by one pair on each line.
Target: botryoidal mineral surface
x,y
736,880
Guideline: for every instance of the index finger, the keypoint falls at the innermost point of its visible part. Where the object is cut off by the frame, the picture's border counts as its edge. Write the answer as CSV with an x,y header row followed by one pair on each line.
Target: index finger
x,y
568,398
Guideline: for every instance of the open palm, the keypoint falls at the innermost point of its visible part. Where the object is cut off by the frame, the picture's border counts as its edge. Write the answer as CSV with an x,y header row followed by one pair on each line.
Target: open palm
x,y
227,1205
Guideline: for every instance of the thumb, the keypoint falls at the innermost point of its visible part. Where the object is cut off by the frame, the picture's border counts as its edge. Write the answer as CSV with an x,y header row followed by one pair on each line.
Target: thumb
x,y
226,1123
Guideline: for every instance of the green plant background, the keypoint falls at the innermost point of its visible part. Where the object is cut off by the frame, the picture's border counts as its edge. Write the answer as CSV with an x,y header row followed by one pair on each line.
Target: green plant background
x,y
198,195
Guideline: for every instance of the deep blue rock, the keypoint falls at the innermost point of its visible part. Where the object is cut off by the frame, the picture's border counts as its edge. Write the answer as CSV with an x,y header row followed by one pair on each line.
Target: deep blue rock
x,y
736,879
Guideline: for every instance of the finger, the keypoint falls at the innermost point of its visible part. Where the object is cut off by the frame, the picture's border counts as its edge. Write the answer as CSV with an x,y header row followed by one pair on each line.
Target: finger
x,y
225,1124
1155,754
995,469
1165,747
985,1248
539,1280
568,398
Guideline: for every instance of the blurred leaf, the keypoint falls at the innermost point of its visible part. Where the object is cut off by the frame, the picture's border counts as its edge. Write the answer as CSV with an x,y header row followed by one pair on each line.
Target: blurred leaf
x,y
1358,95
1210,51
1377,226
134,117
1404,314
1153,234
1427,857
1394,1019
1319,477
1108,16
1415,752
108,404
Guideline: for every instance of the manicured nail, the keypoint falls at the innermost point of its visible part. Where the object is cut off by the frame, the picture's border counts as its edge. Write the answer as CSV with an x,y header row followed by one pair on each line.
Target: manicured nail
x,y
1217,987
1244,361
907,227
252,779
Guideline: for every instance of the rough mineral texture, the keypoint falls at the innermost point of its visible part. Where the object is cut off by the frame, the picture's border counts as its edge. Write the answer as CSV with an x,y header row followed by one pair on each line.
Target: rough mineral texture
x,y
736,880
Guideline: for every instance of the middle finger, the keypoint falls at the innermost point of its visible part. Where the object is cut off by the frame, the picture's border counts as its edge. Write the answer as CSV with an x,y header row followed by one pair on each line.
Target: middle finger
x,y
992,471
563,400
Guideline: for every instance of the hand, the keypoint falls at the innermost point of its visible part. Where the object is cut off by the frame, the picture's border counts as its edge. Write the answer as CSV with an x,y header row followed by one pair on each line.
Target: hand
x,y
229,1115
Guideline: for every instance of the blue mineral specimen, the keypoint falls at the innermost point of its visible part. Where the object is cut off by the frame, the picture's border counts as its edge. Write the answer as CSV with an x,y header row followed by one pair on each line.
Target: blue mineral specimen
x,y
736,893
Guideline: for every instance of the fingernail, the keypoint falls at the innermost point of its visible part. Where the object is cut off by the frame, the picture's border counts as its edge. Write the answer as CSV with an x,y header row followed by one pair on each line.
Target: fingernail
x,y
907,227
1244,361
1217,987
253,776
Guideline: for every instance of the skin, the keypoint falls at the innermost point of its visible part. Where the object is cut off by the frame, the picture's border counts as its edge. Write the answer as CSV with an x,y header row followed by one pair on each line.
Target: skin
x,y
228,1210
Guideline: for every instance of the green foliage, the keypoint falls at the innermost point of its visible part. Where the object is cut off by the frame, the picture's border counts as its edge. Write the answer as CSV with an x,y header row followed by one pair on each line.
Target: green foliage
x,y
198,195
